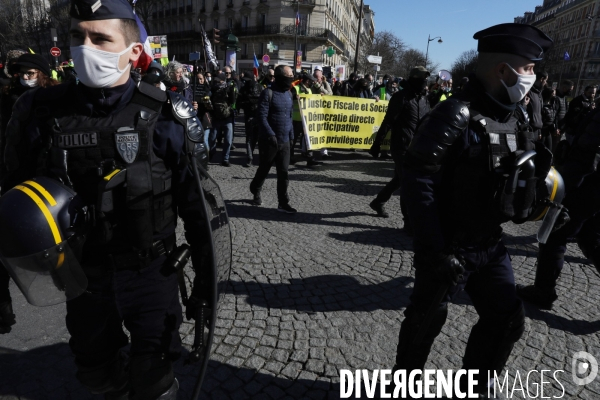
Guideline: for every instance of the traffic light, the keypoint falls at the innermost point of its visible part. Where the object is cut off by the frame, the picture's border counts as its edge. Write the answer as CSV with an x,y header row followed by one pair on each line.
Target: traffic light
x,y
216,35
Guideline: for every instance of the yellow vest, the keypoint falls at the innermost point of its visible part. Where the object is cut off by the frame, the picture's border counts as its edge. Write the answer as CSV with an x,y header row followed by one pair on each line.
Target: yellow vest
x,y
296,112
444,97
55,75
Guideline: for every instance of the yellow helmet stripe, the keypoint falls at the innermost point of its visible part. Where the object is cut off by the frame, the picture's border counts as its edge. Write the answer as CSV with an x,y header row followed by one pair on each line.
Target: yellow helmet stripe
x,y
555,186
40,203
42,191
552,175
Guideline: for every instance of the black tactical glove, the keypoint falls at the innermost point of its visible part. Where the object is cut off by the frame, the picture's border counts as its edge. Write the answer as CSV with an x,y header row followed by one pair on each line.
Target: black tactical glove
x,y
450,269
442,267
562,219
272,140
7,317
375,150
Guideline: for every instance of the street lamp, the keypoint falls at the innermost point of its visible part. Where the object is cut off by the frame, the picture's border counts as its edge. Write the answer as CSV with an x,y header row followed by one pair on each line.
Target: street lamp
x,y
430,39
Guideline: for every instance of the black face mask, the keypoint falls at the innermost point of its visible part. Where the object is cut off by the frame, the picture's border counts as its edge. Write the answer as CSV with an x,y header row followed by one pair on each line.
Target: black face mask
x,y
417,84
284,82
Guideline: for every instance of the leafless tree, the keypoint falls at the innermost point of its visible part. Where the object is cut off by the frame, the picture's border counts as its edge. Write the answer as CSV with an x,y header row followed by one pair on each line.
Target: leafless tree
x,y
144,10
413,58
387,45
464,65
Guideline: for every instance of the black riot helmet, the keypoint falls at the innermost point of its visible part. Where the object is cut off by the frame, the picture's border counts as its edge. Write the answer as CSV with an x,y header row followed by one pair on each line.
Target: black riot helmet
x,y
38,240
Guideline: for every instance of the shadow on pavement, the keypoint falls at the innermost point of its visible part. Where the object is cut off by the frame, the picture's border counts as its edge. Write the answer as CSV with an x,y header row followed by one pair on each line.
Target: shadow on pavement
x,y
327,293
49,373
574,326
243,209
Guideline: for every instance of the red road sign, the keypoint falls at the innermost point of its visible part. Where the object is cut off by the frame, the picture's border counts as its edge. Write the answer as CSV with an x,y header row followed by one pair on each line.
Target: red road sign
x,y
266,58
55,52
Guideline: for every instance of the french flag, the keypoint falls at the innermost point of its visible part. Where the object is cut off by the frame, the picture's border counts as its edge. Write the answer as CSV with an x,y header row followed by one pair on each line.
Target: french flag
x,y
146,57
297,19
256,66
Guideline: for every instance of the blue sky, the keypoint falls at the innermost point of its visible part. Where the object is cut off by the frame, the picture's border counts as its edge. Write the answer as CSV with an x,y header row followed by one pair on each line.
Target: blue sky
x,y
454,20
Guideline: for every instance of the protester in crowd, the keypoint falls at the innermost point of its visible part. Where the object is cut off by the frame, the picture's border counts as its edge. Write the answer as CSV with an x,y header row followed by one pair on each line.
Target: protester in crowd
x,y
33,71
382,82
549,107
565,90
203,105
579,108
387,91
302,87
348,86
441,92
406,108
9,71
461,85
268,79
275,135
174,80
234,86
155,75
222,99
362,90
337,88
320,84
248,101
534,107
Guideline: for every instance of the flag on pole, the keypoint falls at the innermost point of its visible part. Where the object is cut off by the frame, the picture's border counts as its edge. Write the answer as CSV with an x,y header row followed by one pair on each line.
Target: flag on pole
x,y
146,57
209,52
297,19
256,66
567,56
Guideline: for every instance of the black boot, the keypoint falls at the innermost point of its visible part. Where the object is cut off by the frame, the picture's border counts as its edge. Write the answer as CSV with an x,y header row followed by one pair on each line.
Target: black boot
x,y
379,209
541,298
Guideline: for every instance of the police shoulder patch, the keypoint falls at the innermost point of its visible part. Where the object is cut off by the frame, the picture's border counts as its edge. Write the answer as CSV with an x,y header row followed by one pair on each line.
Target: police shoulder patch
x,y
128,145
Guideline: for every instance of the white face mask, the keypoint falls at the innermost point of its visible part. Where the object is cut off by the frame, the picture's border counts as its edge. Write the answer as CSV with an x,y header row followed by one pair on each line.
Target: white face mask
x,y
518,91
97,68
30,82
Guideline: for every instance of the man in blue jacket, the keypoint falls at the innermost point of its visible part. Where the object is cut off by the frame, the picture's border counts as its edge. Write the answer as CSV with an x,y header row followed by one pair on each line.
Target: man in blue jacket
x,y
274,115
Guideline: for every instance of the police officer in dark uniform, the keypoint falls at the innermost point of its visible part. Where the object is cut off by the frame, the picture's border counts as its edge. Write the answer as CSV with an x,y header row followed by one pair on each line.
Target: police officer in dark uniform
x,y
460,185
132,154
582,199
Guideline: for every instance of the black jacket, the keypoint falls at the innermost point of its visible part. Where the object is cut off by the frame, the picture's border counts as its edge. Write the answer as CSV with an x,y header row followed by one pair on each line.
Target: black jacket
x,y
534,109
405,109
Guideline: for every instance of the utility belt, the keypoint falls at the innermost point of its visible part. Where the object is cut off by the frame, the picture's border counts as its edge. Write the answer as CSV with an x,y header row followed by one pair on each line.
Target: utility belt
x,y
139,259
473,239
133,259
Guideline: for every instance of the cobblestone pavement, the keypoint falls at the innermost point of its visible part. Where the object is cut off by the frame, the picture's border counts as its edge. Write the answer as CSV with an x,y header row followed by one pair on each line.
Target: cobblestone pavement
x,y
317,292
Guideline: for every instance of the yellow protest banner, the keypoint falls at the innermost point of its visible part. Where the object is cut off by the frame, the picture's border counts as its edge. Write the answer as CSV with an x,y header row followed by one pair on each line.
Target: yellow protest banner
x,y
336,122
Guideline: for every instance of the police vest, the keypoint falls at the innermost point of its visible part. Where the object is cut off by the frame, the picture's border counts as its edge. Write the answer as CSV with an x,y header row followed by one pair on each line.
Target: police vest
x,y
479,201
296,110
110,163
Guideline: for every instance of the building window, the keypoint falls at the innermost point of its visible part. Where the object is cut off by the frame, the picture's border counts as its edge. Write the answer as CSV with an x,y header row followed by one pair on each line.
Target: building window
x,y
216,24
261,49
263,19
230,2
230,23
245,21
245,48
303,49
216,4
